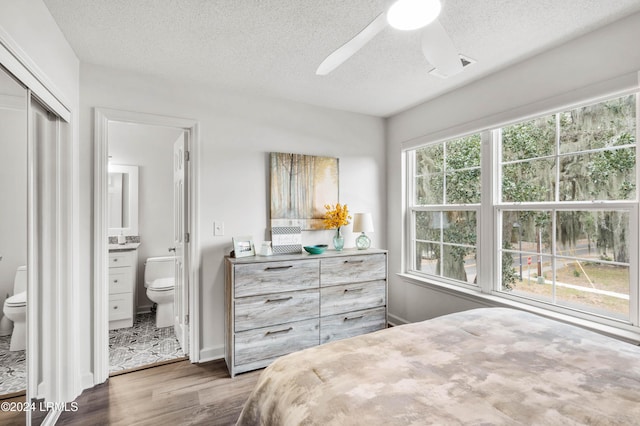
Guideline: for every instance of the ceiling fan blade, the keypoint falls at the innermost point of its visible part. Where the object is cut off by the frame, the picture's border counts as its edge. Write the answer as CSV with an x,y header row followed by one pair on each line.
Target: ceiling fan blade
x,y
439,50
348,49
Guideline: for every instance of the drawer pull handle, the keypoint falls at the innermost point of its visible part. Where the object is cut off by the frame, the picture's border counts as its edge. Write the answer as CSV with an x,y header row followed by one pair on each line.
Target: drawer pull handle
x,y
279,331
115,307
284,299
277,268
354,261
353,290
115,281
115,260
353,318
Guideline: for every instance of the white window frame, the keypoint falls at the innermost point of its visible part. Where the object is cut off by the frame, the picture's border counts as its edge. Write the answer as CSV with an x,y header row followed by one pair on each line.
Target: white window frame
x,y
411,210
488,220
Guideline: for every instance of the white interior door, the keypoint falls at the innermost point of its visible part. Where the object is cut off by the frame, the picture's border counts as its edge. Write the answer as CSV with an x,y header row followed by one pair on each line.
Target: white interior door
x,y
180,240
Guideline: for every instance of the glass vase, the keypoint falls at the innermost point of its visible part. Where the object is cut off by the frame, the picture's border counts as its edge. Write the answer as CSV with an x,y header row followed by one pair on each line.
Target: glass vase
x,y
338,241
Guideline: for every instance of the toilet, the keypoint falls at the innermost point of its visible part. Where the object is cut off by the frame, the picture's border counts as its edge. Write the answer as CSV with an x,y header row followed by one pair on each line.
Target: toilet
x,y
159,280
15,309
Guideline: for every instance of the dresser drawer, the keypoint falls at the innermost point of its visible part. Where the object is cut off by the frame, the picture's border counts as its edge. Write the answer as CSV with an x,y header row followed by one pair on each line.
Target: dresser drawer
x,y
271,342
120,259
352,297
120,280
348,269
272,309
338,327
120,306
274,277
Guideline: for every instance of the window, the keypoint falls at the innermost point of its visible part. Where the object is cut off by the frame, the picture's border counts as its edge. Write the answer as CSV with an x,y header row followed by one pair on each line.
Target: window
x,y
562,210
444,214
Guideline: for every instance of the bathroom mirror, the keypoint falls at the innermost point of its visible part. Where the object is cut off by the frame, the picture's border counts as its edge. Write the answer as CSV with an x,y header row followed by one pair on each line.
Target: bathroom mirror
x,y
122,200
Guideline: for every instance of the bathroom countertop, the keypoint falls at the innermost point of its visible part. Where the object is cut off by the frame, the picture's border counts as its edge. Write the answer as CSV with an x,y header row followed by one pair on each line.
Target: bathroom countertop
x,y
123,247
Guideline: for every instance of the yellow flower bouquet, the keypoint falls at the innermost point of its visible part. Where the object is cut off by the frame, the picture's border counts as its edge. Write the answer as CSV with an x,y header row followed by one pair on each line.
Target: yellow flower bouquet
x,y
337,216
334,218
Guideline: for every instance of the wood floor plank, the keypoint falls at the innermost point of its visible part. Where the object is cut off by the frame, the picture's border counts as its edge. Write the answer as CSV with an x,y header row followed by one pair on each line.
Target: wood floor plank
x,y
14,418
174,394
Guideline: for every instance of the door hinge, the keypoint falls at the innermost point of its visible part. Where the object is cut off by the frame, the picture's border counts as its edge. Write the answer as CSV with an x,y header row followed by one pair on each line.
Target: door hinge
x,y
187,156
186,320
186,237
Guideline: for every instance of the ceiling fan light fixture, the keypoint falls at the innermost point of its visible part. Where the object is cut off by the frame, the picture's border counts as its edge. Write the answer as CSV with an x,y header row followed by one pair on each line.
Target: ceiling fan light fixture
x,y
413,14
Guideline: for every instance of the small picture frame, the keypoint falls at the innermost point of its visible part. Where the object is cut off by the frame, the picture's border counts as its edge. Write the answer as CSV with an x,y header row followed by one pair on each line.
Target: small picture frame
x,y
243,246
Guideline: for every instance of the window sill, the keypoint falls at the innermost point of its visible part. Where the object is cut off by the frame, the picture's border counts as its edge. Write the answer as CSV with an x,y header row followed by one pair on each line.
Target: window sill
x,y
628,334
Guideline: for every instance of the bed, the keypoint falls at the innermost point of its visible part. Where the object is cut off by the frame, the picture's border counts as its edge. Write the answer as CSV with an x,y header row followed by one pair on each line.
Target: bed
x,y
483,366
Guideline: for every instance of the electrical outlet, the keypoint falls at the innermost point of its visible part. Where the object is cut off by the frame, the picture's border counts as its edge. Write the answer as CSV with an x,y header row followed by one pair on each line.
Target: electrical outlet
x,y
218,228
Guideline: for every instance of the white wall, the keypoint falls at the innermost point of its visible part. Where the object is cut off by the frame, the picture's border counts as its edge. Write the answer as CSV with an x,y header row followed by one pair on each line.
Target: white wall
x,y
151,149
604,58
31,26
13,193
236,134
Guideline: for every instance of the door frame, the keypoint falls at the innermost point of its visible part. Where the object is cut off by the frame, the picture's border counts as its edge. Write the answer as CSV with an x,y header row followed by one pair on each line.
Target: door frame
x,y
102,118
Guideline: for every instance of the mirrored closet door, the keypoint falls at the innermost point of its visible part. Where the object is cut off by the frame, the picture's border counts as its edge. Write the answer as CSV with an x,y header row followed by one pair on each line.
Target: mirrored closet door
x,y
13,236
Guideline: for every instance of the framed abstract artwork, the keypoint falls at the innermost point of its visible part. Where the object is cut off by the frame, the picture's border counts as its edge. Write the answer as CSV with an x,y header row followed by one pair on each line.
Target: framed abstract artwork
x,y
301,185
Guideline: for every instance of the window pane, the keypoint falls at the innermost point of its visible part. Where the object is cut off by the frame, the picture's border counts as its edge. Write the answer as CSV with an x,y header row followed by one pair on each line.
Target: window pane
x,y
526,238
429,225
593,287
463,153
429,189
579,279
531,139
613,174
602,175
460,227
429,159
463,187
600,234
529,181
527,231
535,280
427,255
446,244
606,124
458,263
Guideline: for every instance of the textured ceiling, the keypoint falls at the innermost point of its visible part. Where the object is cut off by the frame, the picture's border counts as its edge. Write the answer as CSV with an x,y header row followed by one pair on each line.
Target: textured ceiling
x,y
273,47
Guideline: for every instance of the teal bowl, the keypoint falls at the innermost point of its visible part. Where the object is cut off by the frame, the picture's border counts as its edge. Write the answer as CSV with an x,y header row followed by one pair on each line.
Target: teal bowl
x,y
319,249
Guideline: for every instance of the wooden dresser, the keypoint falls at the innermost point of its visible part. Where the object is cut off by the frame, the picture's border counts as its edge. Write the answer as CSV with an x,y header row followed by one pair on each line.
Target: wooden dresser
x,y
280,304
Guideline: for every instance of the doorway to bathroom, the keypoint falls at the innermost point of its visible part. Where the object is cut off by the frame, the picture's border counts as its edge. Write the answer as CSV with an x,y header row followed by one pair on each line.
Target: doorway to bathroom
x,y
144,267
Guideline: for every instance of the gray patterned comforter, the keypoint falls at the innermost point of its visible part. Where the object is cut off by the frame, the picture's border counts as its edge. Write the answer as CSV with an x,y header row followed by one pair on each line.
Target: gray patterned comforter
x,y
493,366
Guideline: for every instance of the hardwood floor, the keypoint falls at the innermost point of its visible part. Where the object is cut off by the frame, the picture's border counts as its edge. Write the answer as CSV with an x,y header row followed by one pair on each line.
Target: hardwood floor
x,y
173,394
13,418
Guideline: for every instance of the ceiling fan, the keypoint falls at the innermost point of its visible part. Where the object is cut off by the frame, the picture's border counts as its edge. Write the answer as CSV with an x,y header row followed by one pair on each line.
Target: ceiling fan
x,y
405,15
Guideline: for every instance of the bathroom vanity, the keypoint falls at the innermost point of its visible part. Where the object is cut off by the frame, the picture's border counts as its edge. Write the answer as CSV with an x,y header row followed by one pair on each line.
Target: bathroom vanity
x,y
122,209
123,266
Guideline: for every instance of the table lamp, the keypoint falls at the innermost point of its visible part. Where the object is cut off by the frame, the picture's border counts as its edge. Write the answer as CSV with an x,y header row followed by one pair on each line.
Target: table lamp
x,y
362,222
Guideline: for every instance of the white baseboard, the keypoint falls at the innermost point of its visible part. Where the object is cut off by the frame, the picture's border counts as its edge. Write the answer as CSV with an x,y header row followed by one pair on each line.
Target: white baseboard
x,y
395,320
212,353
144,309
86,381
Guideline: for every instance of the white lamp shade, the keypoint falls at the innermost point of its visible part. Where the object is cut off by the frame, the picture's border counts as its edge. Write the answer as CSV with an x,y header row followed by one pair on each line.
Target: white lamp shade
x,y
362,222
